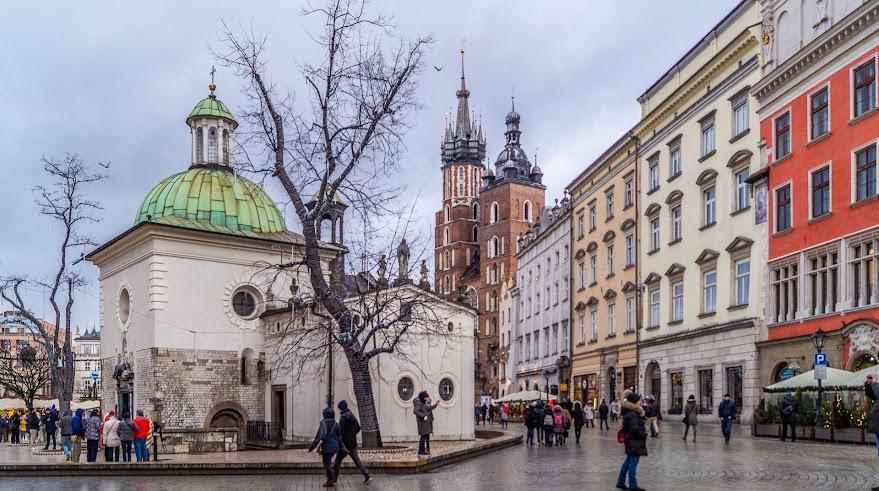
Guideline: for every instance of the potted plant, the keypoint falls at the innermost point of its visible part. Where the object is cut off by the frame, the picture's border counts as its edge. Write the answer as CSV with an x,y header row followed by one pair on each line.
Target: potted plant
x,y
766,420
845,428
824,427
805,416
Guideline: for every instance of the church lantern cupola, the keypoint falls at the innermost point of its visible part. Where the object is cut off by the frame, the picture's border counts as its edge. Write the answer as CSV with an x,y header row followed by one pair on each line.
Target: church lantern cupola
x,y
212,126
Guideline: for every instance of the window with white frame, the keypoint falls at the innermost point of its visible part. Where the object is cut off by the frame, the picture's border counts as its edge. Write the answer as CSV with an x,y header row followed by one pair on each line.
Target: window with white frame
x,y
782,136
709,292
630,313
630,250
707,137
555,339
740,115
865,173
581,226
527,347
593,325
564,288
495,213
581,275
822,282
593,218
629,195
862,271
610,204
612,319
676,224
536,303
677,301
564,336
864,88
546,341
820,191
547,300
610,260
593,269
743,191
709,206
783,209
820,112
783,292
654,307
674,161
653,176
581,327
654,234
555,294
743,281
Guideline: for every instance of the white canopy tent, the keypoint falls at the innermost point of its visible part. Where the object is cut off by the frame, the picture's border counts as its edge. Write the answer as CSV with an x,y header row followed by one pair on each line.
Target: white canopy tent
x,y
525,396
806,381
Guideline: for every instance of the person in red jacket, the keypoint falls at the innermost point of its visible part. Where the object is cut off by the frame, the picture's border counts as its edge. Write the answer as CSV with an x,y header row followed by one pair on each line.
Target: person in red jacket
x,y
143,431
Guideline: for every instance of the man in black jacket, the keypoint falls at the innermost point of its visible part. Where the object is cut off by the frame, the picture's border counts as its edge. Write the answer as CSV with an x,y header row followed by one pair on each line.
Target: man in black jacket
x,y
788,410
727,413
349,427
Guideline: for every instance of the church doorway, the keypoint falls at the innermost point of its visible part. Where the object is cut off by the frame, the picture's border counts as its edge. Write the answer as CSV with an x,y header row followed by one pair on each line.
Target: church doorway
x,y
227,418
279,400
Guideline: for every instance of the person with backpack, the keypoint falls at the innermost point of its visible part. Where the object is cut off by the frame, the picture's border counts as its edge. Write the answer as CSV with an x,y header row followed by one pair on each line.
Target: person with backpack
x,y
505,415
423,411
788,409
328,441
528,419
349,427
634,436
126,431
579,416
558,424
547,423
691,417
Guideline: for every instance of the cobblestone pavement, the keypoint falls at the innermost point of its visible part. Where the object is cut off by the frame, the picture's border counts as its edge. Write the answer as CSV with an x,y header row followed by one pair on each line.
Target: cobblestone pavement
x,y
745,464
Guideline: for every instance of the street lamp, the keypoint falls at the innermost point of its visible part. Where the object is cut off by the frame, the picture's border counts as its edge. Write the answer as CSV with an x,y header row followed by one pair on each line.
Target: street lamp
x,y
818,340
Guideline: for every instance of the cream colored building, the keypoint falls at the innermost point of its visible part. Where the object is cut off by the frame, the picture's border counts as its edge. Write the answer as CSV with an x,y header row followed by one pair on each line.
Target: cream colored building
x,y
603,273
700,254
504,373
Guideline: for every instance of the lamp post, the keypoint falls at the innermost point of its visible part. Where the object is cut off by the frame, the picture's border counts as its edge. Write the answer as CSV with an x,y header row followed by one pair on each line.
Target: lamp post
x,y
818,340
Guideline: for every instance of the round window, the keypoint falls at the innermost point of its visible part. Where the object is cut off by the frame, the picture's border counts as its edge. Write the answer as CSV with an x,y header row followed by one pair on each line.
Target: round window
x,y
451,327
244,304
446,389
405,388
124,306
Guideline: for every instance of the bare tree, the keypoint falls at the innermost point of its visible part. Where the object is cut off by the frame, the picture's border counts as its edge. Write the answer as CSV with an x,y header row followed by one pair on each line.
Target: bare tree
x,y
345,138
24,372
64,201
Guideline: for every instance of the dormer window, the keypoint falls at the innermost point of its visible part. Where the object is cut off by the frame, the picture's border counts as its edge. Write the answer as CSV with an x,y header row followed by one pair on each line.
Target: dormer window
x,y
199,145
212,145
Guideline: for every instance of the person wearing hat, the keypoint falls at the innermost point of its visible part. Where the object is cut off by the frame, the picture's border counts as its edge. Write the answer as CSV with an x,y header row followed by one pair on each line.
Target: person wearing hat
x,y
423,411
691,417
349,427
329,437
635,439
727,413
788,409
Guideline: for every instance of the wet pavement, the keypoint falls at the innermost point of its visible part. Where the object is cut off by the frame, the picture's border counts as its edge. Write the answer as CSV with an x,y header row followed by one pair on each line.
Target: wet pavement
x,y
744,464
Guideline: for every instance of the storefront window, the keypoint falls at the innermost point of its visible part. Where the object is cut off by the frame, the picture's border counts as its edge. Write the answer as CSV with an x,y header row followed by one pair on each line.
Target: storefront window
x,y
734,385
676,396
706,391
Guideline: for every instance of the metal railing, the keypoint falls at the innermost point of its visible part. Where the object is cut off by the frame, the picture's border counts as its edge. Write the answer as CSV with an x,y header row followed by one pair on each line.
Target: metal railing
x,y
263,431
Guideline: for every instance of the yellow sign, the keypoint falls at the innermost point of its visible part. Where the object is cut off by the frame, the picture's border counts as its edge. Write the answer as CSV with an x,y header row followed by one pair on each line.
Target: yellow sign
x,y
564,387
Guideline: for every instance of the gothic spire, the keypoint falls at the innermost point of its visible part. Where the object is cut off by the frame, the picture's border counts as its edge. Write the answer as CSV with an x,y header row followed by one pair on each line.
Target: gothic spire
x,y
463,126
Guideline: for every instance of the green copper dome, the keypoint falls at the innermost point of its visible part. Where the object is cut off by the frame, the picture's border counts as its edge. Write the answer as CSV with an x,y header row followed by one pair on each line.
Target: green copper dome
x,y
211,106
215,197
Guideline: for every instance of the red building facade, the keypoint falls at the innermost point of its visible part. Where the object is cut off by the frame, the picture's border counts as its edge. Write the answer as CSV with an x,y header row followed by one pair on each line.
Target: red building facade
x,y
820,130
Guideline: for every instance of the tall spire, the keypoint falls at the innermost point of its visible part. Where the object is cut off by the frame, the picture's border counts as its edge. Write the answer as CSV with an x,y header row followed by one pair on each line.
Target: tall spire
x,y
463,126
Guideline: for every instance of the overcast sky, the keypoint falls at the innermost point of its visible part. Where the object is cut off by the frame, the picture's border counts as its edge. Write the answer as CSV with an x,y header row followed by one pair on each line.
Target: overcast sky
x,y
114,81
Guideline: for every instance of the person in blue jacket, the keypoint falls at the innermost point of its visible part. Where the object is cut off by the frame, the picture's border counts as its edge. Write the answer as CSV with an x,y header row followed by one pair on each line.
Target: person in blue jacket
x,y
78,434
329,437
727,413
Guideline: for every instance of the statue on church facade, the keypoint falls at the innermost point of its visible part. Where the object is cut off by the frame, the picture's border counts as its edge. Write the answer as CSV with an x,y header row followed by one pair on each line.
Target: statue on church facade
x,y
383,270
424,283
403,260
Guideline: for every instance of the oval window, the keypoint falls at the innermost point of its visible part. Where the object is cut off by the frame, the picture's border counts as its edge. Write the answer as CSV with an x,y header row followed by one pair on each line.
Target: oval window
x,y
405,388
124,306
244,304
446,389
451,327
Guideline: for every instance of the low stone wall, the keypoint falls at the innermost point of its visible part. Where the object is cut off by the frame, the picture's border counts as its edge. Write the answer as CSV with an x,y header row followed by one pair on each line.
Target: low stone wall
x,y
198,440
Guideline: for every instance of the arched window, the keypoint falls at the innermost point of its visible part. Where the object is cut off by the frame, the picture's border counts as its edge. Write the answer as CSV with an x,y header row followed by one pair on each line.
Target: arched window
x,y
493,247
495,212
446,236
212,144
199,145
446,214
476,211
475,233
461,174
526,211
493,277
460,188
446,260
447,285
226,147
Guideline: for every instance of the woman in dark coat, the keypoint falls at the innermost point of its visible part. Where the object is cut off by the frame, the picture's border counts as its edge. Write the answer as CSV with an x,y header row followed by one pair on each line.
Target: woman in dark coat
x,y
329,434
423,411
635,439
578,416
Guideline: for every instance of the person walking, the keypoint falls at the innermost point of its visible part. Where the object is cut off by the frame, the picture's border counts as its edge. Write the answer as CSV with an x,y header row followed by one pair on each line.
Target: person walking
x,y
635,439
93,427
328,438
566,414
871,389
603,412
349,428
483,411
590,414
51,427
423,411
578,415
614,410
33,424
78,434
505,415
110,438
477,410
652,413
528,419
141,452
126,431
788,409
691,417
547,423
558,424
727,412
14,423
67,433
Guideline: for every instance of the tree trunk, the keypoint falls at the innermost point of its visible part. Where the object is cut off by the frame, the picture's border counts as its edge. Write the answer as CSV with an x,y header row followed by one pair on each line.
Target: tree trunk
x,y
371,434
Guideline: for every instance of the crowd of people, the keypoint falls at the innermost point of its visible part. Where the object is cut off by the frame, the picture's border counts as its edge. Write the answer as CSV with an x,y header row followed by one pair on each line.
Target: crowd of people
x,y
116,436
491,413
551,422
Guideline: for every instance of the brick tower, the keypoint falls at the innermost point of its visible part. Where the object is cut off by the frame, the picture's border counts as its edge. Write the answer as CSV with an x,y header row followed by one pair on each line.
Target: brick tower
x,y
457,223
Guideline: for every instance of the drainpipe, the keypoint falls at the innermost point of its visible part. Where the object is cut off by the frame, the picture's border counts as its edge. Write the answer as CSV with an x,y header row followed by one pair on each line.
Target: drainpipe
x,y
638,286
571,304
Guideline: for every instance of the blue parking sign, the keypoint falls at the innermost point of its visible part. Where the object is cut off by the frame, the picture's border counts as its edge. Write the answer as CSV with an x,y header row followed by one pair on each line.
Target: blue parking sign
x,y
820,359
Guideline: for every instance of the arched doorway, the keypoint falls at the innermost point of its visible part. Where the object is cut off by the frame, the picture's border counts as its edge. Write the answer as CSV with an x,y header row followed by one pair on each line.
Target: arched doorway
x,y
654,381
781,372
861,361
